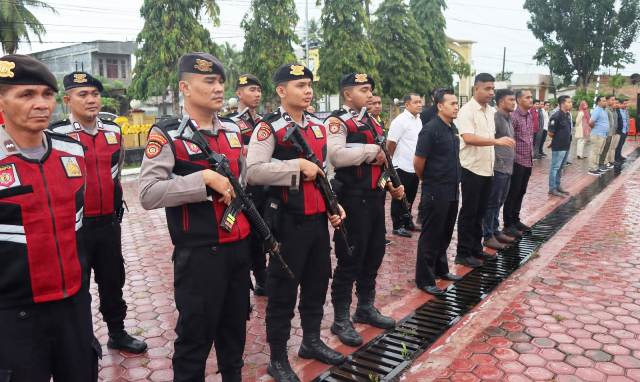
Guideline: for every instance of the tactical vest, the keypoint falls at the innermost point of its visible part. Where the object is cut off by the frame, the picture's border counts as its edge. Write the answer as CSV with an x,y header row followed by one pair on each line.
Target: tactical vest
x,y
246,128
364,176
307,199
102,156
198,224
41,210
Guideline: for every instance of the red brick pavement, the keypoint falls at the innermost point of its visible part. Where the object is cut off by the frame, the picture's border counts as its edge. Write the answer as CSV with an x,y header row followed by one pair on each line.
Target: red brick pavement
x,y
152,315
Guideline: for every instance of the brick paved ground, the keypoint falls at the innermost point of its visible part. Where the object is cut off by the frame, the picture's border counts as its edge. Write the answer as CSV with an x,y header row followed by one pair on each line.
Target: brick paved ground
x,y
152,314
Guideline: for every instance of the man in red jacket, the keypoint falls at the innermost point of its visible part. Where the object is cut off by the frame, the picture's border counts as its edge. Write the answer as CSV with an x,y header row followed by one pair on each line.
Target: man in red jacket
x,y
45,313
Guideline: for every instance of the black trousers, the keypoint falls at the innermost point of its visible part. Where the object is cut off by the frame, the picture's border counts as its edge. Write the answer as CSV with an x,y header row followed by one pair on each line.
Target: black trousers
x,y
475,197
410,182
517,190
439,219
258,253
51,339
305,248
104,250
366,227
212,297
623,138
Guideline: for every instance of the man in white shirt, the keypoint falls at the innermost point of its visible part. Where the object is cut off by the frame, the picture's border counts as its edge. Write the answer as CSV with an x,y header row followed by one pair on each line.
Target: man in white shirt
x,y
401,143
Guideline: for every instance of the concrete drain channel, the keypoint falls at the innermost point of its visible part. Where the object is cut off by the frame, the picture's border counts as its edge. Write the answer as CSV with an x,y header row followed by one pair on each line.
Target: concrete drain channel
x,y
385,357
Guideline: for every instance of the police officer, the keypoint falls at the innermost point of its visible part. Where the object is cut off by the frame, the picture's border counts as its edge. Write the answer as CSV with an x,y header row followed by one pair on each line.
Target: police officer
x,y
103,208
249,93
211,264
302,222
45,307
360,183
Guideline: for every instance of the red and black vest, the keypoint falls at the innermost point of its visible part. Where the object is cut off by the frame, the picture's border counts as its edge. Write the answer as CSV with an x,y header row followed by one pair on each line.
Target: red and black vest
x,y
41,209
364,176
307,199
102,156
198,224
246,126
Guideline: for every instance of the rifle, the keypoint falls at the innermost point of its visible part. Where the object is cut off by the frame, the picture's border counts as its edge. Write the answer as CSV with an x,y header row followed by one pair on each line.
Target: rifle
x,y
242,202
381,141
294,136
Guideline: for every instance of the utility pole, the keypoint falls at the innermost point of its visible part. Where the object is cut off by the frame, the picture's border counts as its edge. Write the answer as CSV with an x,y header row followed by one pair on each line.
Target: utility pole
x,y
504,58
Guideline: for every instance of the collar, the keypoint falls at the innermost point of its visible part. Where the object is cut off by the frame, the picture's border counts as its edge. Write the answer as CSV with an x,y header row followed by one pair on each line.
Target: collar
x,y
503,114
288,118
217,125
522,112
476,105
89,129
9,147
411,115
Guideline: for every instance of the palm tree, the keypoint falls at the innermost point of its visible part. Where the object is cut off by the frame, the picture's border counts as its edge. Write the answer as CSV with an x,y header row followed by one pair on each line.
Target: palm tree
x,y
17,23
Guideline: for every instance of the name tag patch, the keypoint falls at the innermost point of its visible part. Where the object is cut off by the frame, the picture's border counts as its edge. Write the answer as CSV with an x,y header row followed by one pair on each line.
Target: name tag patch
x,y
111,138
71,167
8,176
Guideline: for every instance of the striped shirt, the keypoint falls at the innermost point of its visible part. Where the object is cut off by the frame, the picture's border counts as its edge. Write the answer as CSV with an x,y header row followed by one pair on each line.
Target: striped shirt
x,y
523,129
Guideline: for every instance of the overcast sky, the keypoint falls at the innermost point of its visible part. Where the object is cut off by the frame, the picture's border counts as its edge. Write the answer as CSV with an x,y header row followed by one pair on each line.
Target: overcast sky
x,y
492,24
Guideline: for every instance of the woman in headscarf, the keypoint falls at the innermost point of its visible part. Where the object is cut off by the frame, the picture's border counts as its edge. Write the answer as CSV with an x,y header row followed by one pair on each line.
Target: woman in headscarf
x,y
583,130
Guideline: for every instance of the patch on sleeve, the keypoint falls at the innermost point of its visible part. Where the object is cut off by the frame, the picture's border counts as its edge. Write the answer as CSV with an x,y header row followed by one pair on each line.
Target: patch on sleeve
x,y
264,132
334,127
153,149
158,138
8,176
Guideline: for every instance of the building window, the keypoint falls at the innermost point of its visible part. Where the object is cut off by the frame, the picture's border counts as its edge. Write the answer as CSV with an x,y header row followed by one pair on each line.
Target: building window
x,y
123,69
101,67
112,68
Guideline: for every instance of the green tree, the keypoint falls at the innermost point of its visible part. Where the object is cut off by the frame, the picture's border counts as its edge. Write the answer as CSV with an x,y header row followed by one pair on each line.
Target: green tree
x,y
17,23
345,46
401,50
573,34
430,17
171,28
314,31
505,77
269,34
617,81
231,59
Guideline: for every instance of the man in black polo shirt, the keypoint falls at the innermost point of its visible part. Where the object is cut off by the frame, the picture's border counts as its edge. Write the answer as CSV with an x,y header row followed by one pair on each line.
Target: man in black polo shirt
x,y
560,133
437,164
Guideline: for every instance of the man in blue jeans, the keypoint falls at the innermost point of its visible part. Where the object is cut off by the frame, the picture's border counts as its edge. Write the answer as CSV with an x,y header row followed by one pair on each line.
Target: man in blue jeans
x,y
502,170
560,133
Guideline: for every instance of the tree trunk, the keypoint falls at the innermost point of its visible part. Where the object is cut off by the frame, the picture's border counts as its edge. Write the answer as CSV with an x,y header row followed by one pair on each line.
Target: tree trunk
x,y
176,99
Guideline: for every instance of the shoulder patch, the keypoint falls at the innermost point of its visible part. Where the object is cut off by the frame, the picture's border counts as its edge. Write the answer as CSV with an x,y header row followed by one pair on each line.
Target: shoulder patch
x,y
153,149
157,138
264,131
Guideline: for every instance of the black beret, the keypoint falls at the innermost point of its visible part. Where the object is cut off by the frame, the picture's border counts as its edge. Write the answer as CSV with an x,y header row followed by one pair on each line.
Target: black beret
x,y
291,72
247,80
80,80
201,63
17,69
356,79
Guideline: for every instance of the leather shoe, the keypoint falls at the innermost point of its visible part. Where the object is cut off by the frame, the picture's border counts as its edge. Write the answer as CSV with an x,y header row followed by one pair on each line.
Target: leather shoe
x,y
513,232
503,238
280,369
557,193
432,290
314,348
411,227
259,289
469,261
522,227
482,255
493,243
401,232
366,313
123,341
563,191
450,276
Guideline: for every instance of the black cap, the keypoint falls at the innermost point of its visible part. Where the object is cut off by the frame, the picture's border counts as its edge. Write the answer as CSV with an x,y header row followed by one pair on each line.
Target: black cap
x,y
356,79
201,63
80,80
17,69
247,80
291,72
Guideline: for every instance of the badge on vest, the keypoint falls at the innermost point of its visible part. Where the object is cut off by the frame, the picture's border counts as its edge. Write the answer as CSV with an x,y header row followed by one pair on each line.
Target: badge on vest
x,y
71,167
75,136
233,140
111,138
192,148
317,131
8,176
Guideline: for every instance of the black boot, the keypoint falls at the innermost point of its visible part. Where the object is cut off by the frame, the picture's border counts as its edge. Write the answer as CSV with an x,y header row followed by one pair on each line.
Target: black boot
x,y
121,340
260,288
366,313
279,367
312,347
342,326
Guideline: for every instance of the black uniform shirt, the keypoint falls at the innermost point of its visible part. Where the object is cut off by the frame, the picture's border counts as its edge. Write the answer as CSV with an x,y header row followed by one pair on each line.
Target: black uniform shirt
x,y
439,144
560,127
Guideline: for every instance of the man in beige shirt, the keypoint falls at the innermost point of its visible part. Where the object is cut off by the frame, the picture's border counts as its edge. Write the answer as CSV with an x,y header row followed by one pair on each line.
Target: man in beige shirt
x,y
477,128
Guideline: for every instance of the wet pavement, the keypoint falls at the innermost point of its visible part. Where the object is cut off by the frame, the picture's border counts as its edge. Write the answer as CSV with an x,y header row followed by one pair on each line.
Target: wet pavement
x,y
574,269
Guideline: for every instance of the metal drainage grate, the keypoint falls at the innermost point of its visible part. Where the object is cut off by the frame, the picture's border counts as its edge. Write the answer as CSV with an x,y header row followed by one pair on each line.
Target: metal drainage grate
x,y
388,355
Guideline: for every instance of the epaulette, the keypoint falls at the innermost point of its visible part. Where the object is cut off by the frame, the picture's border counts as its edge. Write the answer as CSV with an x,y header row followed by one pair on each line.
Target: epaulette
x,y
63,122
271,117
341,114
168,124
67,140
